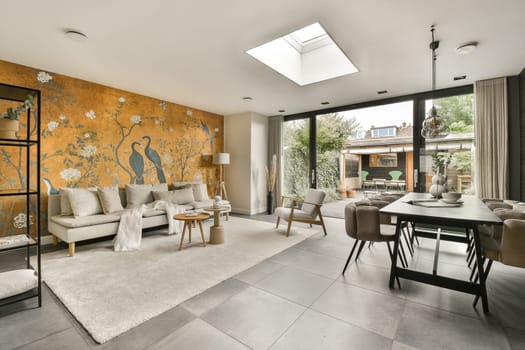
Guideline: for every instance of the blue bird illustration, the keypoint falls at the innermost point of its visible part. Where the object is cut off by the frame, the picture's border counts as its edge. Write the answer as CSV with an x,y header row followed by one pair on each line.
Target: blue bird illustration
x,y
50,188
154,157
137,163
208,134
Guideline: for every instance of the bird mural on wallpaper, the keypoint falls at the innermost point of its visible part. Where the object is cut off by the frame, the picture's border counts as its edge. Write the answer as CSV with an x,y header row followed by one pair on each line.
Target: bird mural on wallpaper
x,y
50,188
154,157
208,134
136,161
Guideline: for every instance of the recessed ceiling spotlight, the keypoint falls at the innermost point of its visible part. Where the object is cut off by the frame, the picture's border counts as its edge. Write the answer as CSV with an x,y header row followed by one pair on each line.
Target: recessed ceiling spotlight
x,y
281,111
467,48
247,98
76,35
324,103
381,92
460,77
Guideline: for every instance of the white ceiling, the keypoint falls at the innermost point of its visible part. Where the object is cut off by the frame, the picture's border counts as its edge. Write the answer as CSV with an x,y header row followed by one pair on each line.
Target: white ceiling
x,y
193,52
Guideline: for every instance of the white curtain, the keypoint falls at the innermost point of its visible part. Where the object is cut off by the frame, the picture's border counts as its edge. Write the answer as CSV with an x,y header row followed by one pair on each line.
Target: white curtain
x,y
275,146
491,138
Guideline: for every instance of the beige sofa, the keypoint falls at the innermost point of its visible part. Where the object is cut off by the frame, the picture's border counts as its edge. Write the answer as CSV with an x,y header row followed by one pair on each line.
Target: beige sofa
x,y
71,229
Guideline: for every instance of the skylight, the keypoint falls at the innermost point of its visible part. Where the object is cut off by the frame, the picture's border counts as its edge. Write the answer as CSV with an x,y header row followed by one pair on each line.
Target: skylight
x,y
311,32
305,56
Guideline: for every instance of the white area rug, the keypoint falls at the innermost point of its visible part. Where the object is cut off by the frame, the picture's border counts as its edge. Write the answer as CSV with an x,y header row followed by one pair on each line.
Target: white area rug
x,y
111,292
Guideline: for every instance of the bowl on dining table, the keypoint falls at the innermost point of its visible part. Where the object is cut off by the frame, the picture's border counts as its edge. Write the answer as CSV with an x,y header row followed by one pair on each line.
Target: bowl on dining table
x,y
451,197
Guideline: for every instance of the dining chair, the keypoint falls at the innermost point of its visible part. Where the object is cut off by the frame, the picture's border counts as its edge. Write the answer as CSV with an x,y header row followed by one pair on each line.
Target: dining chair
x,y
509,250
307,211
363,223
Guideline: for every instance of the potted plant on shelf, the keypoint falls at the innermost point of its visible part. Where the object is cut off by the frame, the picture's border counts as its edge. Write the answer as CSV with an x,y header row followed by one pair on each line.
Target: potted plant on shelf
x,y
271,176
9,124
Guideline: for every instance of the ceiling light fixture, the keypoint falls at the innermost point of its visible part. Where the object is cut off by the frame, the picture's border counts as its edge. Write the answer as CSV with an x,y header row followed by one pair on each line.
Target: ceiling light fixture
x,y
76,35
281,111
460,77
247,98
324,103
467,48
433,125
381,92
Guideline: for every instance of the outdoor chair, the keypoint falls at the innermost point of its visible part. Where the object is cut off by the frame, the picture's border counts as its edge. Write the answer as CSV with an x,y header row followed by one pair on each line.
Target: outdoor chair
x,y
307,211
395,174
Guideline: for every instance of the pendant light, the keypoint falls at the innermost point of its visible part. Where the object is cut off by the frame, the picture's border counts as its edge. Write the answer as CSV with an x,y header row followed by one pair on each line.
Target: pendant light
x,y
433,125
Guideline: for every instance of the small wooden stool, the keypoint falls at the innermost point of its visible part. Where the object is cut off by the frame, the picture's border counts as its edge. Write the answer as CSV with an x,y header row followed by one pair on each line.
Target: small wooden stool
x,y
188,221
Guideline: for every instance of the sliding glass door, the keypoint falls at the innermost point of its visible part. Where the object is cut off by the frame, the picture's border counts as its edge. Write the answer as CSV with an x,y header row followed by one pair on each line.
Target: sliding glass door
x,y
297,172
452,155
377,147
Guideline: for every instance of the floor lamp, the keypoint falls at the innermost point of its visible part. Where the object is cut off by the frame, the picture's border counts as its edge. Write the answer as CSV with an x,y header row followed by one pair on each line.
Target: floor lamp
x,y
221,159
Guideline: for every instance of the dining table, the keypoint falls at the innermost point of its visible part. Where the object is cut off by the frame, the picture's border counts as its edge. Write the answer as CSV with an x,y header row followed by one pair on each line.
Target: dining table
x,y
455,222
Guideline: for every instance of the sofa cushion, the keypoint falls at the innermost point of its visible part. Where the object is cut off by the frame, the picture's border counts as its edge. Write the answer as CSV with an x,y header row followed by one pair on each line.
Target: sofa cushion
x,y
183,196
153,212
84,201
109,199
136,195
202,204
168,196
200,192
71,221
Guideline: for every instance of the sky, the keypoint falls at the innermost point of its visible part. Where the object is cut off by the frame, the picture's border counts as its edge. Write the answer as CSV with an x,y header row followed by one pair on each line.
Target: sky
x,y
387,115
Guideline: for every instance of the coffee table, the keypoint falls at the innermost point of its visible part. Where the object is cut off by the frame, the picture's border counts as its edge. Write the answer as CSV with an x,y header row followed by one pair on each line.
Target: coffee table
x,y
217,230
188,221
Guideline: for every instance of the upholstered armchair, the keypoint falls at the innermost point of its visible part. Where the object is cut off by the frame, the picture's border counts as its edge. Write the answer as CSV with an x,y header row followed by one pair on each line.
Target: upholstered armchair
x,y
307,211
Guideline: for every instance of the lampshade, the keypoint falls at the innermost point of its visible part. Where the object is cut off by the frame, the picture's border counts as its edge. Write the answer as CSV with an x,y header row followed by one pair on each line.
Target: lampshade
x,y
221,158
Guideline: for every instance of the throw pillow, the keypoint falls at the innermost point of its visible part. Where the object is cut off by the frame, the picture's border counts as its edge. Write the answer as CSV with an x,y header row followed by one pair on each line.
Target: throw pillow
x,y
65,207
136,195
167,196
84,201
183,196
200,192
109,199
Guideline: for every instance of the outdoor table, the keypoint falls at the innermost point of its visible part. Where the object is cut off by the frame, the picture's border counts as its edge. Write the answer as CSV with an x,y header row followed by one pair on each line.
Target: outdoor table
x,y
467,216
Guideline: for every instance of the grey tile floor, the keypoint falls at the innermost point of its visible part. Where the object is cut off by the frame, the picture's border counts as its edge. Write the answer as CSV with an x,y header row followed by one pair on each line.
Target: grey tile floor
x,y
298,300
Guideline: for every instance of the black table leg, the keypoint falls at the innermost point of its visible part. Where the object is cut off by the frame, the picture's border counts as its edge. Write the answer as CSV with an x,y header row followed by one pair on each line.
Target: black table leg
x,y
396,252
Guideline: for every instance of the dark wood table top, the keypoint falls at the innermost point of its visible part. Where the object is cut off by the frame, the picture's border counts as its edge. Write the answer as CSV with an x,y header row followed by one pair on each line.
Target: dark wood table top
x,y
472,210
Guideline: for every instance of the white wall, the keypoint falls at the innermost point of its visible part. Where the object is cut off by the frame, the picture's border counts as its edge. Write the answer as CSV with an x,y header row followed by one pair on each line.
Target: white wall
x,y
246,139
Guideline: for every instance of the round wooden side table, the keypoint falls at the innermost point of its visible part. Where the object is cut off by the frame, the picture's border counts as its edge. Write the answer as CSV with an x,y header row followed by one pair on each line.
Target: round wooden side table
x,y
188,221
217,230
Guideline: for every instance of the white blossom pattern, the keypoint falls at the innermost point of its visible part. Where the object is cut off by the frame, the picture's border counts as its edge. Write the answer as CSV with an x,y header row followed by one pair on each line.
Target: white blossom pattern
x,y
163,105
44,77
136,119
87,135
52,125
88,151
70,174
90,114
20,220
121,99
189,113
168,159
170,129
62,117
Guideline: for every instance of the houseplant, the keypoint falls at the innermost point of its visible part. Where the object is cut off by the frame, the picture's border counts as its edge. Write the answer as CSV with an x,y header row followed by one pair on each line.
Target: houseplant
x,y
9,124
271,176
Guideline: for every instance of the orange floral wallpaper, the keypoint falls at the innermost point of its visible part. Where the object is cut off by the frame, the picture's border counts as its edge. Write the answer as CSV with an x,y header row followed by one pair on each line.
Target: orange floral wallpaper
x,y
94,135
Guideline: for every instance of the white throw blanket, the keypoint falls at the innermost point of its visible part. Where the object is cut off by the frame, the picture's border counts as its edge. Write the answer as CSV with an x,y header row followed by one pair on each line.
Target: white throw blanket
x,y
129,234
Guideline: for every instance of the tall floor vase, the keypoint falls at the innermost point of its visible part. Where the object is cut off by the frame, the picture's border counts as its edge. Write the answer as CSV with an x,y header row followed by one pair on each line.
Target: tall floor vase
x,y
270,203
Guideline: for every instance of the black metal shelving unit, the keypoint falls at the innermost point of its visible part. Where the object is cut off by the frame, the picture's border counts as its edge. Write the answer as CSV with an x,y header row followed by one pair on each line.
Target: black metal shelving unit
x,y
29,141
